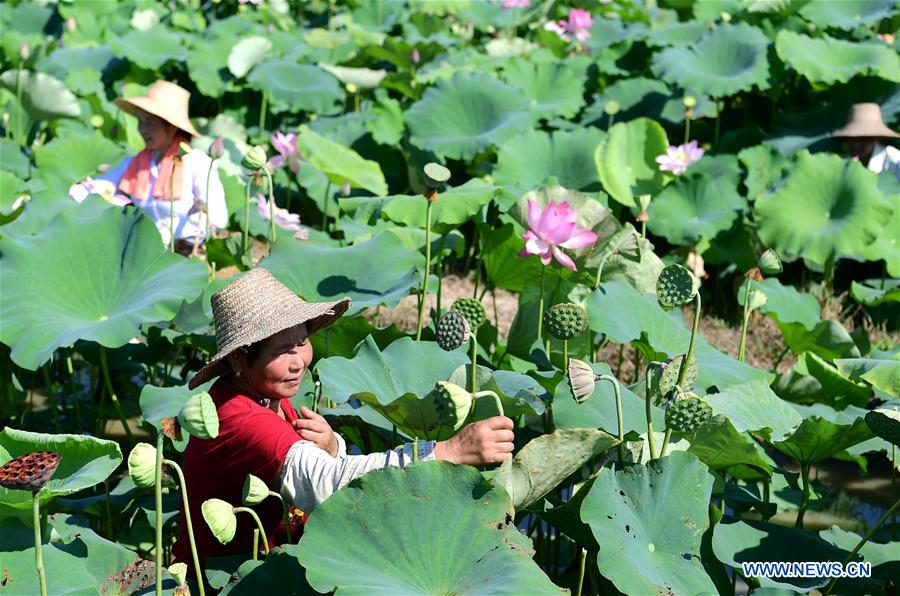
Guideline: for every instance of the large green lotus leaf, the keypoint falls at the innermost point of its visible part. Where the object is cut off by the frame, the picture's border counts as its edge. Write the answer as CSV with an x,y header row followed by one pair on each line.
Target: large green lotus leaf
x,y
207,64
66,160
847,14
887,244
754,407
721,446
245,54
829,207
828,60
847,417
526,161
293,87
649,521
555,87
378,271
626,160
765,169
624,315
818,438
636,97
883,557
464,115
354,545
94,273
85,462
622,264
386,122
65,60
871,293
676,34
500,250
43,96
695,209
840,391
280,569
149,49
454,207
727,60
341,164
784,303
827,339
758,541
882,374
363,78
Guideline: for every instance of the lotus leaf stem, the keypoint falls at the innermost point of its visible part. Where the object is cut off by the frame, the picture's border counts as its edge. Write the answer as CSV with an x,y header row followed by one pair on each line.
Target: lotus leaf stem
x,y
647,399
600,270
247,217
618,393
582,557
51,396
112,395
187,517
496,397
427,271
894,489
540,319
415,449
440,274
175,161
804,499
272,235
644,229
262,114
38,555
687,129
665,445
682,372
262,532
287,515
473,377
718,118
157,487
325,206
565,361
255,544
212,164
743,344
21,140
74,390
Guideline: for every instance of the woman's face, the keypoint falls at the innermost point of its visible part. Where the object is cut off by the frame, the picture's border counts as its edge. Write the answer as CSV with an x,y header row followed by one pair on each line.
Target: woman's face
x,y
156,132
280,365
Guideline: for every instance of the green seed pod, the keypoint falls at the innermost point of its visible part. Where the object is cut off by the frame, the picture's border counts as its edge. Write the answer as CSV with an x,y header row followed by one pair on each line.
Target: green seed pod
x,y
566,320
220,518
452,330
667,375
179,572
199,417
676,286
142,465
757,299
582,379
688,414
885,424
255,491
769,263
436,175
472,310
448,407
254,159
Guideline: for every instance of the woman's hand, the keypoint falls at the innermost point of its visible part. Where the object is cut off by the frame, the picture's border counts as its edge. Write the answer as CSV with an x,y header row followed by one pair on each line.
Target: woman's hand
x,y
484,442
313,427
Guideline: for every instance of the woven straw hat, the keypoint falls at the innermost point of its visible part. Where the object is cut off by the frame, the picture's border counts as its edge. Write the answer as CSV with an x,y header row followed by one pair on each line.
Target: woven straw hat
x,y
256,306
164,99
865,121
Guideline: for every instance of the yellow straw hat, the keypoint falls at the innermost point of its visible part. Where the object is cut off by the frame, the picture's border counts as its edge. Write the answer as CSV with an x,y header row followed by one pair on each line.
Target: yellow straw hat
x,y
165,100
865,121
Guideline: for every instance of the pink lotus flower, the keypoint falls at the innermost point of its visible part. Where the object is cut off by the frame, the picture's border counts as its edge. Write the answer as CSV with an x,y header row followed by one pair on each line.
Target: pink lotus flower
x,y
677,159
286,145
414,56
578,24
106,189
284,219
888,38
552,229
516,3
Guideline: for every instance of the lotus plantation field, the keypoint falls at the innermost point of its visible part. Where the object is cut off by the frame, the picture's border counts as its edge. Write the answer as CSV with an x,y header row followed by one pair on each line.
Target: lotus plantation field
x,y
449,296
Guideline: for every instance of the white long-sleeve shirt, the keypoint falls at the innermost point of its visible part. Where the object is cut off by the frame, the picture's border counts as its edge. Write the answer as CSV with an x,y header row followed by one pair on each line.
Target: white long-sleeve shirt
x,y
193,180
885,158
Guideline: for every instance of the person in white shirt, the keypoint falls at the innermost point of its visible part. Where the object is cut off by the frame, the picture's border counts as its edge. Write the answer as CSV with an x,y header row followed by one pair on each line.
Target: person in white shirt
x,y
863,132
157,176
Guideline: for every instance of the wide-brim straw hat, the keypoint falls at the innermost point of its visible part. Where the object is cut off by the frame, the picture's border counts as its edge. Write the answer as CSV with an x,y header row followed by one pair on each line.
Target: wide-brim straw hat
x,y
865,121
255,307
165,100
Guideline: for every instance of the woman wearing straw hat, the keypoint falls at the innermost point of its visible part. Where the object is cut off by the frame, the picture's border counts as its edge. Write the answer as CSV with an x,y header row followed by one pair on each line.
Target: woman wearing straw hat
x,y
156,176
263,352
863,131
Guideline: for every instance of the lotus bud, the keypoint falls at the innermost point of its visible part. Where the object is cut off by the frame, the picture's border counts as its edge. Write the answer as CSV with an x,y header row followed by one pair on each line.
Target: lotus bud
x,y
345,189
611,107
643,202
183,149
769,263
142,465
566,320
199,417
581,379
24,51
220,518
414,56
472,310
885,424
757,299
689,101
667,374
178,571
676,286
71,25
351,88
452,330
254,159
217,148
255,491
30,471
688,413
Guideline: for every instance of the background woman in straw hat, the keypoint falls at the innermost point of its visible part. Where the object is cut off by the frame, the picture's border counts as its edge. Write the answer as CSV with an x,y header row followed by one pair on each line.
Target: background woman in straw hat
x,y
263,352
864,131
156,176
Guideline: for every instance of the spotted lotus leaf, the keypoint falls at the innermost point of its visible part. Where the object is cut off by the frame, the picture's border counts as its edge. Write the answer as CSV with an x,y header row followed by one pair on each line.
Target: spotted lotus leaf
x,y
676,286
452,330
566,320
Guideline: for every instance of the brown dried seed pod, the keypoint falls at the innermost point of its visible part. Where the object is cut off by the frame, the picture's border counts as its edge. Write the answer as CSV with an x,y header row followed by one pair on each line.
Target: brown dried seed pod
x,y
30,471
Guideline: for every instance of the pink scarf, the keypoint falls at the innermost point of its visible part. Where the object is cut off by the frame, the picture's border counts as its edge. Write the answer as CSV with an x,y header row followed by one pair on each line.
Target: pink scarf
x,y
136,180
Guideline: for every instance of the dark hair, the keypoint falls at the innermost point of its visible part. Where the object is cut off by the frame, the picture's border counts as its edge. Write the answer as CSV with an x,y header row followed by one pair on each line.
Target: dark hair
x,y
251,352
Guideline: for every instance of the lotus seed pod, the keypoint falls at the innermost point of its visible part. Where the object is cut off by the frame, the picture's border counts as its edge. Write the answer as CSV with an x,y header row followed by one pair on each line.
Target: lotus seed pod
x,y
667,374
178,571
29,471
582,379
452,330
757,299
142,465
676,286
220,518
255,491
769,263
688,414
451,405
217,148
611,107
644,202
885,424
183,149
436,175
566,320
472,310
199,417
254,159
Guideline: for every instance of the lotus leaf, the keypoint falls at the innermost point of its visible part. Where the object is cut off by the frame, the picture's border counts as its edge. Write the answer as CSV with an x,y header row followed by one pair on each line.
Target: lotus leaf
x,y
676,34
293,87
755,407
94,274
785,304
847,417
887,244
847,14
828,339
829,60
883,558
817,438
500,249
149,49
554,86
484,553
341,164
882,374
765,168
464,115
838,391
13,159
650,520
246,53
362,78
455,206
67,59
280,569
528,160
207,64
636,97
695,209
870,294
43,96
386,124
626,160
721,446
66,160
726,60
829,207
